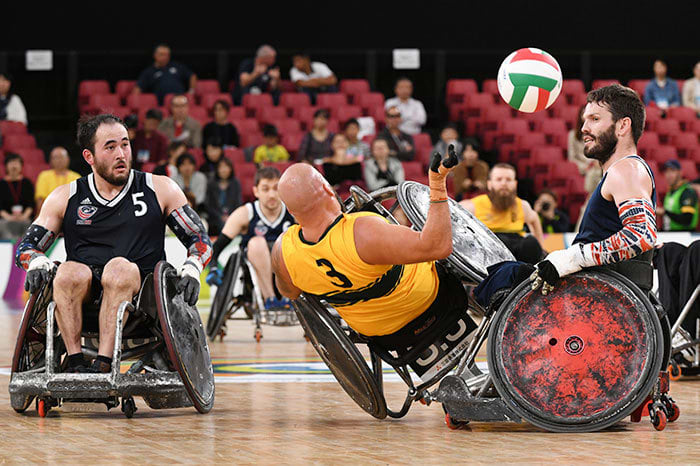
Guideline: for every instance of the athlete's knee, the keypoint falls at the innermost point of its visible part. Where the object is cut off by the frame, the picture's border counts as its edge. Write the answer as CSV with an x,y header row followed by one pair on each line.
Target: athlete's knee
x,y
72,277
119,273
257,246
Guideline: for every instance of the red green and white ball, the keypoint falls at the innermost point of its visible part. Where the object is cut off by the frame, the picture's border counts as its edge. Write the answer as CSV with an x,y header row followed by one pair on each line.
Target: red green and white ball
x,y
529,80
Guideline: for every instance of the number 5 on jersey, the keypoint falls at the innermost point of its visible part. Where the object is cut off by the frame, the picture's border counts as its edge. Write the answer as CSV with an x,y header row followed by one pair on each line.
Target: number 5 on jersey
x,y
140,207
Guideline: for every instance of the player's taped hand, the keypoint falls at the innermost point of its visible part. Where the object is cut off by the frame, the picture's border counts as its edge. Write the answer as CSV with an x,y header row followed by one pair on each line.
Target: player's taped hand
x,y
215,277
556,265
188,283
448,163
38,273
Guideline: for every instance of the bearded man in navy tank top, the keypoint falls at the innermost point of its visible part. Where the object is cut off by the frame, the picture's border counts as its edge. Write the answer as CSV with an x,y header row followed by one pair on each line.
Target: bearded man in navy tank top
x,y
619,223
113,222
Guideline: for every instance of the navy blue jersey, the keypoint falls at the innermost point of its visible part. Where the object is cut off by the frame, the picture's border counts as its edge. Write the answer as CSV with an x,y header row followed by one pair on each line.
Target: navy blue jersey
x,y
259,225
601,219
131,225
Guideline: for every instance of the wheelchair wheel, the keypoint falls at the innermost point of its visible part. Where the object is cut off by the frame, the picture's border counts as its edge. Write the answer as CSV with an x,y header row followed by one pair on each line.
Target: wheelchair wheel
x,y
30,348
222,300
185,340
341,356
579,359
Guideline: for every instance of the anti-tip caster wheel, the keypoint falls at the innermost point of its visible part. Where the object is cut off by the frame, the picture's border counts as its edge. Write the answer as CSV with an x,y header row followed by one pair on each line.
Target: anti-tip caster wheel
x,y
128,407
658,416
258,335
455,425
42,407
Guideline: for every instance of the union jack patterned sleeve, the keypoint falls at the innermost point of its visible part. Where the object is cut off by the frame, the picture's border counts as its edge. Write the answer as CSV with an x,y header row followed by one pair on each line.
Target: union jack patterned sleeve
x,y
638,235
188,228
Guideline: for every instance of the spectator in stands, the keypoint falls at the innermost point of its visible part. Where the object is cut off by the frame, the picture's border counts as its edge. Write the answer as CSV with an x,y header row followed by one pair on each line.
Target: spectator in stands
x,y
190,180
448,135
400,143
504,213
312,77
553,220
149,144
356,146
661,90
16,199
382,170
259,74
341,167
680,208
316,144
213,153
168,167
132,123
223,195
691,90
413,115
471,174
271,150
11,106
165,76
589,168
56,176
180,126
221,128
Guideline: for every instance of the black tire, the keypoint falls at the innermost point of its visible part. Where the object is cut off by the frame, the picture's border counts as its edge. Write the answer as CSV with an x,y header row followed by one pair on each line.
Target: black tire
x,y
221,304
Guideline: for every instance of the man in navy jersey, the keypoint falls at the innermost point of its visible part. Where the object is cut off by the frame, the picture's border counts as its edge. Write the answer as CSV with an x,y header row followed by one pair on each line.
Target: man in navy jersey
x,y
619,223
260,223
113,222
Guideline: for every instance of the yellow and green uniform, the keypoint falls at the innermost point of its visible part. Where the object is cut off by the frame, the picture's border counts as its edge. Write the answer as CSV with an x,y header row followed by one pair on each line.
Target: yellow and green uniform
x,y
270,154
677,205
372,299
509,221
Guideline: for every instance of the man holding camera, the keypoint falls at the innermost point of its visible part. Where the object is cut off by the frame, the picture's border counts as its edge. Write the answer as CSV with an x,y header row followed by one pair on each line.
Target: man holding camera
x,y
552,219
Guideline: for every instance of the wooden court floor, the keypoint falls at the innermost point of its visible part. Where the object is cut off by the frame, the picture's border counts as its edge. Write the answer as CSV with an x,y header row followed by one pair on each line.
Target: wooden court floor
x,y
271,408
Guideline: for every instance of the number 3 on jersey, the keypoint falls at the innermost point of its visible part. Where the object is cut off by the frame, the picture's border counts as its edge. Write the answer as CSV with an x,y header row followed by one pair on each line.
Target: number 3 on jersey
x,y
345,282
140,207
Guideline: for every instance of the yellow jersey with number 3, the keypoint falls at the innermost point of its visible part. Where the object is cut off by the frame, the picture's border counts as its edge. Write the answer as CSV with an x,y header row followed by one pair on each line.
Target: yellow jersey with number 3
x,y
372,299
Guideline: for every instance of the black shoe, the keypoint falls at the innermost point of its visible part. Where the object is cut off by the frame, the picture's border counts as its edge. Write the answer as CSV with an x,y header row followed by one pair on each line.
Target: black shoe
x,y
99,367
78,370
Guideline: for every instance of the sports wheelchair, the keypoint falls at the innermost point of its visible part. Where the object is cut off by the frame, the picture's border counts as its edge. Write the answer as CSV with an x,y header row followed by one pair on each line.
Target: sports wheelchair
x,y
240,291
685,356
577,360
164,337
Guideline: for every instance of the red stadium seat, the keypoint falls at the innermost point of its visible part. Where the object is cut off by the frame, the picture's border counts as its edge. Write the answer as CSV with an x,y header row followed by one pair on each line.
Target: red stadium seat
x,y
346,112
648,141
684,143
251,139
12,127
330,100
287,87
268,114
295,100
247,125
253,102
236,113
32,156
552,126
661,154
354,87
198,155
200,114
457,89
292,141
305,115
32,171
207,86
124,88
562,172
543,158
638,85
413,171
598,83
492,116
684,115
141,101
490,86
208,100
104,101
287,125
370,100
572,87
568,113
14,142
377,113
234,154
89,88
148,167
280,166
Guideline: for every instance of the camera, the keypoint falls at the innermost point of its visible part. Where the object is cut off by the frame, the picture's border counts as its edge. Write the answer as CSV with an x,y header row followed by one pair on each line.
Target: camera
x,y
546,206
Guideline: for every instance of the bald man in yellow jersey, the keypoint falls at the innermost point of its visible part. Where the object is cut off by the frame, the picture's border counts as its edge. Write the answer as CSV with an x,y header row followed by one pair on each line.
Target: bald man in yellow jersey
x,y
381,278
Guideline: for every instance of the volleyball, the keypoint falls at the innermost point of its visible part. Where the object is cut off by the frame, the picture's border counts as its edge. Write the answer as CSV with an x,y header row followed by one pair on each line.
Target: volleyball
x,y
529,80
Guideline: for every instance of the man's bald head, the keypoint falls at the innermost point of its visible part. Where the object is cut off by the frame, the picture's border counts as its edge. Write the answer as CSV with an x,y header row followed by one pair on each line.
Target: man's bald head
x,y
59,158
303,189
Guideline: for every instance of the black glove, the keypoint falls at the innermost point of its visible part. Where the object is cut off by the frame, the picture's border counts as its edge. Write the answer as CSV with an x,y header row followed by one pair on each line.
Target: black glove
x,y
449,162
189,287
36,278
545,275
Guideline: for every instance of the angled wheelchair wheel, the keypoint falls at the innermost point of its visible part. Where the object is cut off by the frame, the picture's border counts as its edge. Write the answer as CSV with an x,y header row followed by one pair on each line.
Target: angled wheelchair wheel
x,y
184,337
579,359
341,356
221,304
30,349
475,247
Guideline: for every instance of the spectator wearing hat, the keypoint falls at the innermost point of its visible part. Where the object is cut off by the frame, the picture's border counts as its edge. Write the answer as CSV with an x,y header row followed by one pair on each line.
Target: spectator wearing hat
x,y
271,150
148,144
316,144
680,209
221,128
